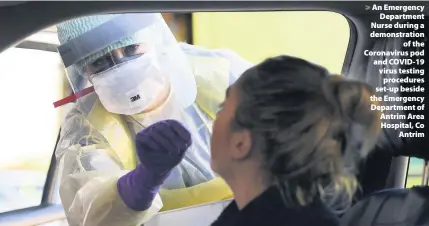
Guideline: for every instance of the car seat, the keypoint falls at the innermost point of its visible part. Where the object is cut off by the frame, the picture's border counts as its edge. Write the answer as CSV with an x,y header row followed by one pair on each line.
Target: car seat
x,y
393,207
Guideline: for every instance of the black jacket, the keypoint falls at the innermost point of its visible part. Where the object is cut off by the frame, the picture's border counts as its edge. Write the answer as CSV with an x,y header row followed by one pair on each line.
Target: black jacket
x,y
269,210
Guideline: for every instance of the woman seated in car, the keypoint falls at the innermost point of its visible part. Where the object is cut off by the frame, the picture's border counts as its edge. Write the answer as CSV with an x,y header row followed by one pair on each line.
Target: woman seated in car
x,y
287,139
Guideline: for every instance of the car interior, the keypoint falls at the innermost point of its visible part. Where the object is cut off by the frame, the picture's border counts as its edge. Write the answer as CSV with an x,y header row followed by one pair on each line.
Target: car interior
x,y
394,179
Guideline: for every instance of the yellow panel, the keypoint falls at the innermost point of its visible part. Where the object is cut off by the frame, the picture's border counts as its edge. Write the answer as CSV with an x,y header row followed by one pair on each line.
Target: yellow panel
x,y
320,37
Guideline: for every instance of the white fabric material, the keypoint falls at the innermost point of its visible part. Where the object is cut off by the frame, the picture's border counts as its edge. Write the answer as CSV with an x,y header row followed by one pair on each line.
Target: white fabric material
x,y
89,192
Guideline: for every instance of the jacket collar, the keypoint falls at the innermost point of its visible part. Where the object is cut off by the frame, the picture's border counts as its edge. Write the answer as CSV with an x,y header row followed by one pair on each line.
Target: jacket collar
x,y
269,209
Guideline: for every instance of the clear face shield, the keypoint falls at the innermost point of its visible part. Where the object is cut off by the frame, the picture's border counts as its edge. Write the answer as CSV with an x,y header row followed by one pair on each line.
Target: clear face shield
x,y
130,79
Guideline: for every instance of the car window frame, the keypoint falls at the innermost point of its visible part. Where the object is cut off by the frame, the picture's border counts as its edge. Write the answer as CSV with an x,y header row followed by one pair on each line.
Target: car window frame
x,y
423,176
46,211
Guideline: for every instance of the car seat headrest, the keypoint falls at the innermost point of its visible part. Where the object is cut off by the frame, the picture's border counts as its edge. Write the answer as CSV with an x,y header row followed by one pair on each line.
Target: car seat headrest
x,y
415,148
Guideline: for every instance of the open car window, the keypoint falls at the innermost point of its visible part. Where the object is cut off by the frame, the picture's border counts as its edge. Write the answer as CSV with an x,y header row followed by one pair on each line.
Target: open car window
x,y
31,80
36,78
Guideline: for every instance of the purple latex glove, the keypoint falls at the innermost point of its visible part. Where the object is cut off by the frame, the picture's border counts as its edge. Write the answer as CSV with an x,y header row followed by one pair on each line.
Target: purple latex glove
x,y
160,147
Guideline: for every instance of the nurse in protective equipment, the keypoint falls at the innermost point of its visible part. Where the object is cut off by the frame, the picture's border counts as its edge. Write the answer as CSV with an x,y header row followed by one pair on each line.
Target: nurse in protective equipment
x,y
139,143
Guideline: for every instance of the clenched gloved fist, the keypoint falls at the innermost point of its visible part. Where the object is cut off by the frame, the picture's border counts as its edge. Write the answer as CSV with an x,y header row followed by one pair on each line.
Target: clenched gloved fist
x,y
160,147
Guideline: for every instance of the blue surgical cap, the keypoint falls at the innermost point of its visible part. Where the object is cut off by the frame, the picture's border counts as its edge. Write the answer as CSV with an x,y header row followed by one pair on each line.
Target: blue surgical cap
x,y
73,28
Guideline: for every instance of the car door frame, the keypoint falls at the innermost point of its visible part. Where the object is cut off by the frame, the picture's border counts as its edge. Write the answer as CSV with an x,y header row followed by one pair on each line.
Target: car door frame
x,y
46,211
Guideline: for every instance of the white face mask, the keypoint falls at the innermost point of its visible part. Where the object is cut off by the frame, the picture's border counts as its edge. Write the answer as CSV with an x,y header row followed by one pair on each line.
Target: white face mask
x,y
129,88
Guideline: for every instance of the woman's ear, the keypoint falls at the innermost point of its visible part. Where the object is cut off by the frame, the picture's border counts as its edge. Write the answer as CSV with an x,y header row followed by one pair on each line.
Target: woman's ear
x,y
242,144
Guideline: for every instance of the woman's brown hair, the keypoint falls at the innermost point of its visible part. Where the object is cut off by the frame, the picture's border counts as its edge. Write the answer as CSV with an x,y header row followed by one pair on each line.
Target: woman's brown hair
x,y
311,127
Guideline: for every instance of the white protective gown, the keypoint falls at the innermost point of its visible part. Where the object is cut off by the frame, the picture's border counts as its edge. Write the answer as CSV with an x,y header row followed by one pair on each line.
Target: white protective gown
x,y
91,164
